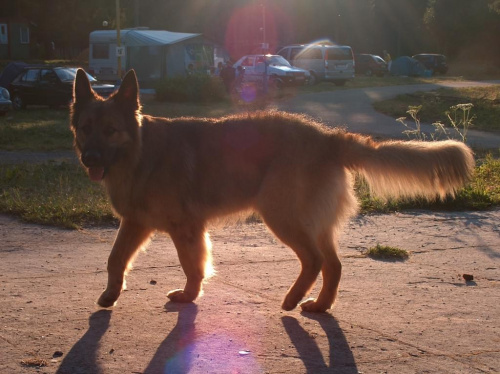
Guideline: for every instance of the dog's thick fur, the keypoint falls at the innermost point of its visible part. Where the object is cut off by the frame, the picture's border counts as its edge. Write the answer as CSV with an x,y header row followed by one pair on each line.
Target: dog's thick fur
x,y
176,175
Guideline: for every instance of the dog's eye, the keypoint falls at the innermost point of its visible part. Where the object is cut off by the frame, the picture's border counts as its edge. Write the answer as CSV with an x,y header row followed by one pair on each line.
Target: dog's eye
x,y
109,130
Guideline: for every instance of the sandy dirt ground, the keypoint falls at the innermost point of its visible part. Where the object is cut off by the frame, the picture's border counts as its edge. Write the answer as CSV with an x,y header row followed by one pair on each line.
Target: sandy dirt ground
x,y
417,316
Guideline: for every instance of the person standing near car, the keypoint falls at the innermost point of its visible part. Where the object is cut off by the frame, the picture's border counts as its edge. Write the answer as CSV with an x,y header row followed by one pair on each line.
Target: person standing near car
x,y
388,59
228,75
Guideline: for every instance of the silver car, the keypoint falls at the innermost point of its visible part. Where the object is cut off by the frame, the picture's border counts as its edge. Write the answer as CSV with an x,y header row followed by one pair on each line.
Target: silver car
x,y
276,68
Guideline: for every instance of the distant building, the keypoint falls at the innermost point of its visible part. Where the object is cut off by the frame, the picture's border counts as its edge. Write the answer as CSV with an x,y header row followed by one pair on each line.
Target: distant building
x,y
153,54
14,39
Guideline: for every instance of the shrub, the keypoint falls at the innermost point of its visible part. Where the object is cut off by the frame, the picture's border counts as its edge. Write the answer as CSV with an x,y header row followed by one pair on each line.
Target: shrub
x,y
196,88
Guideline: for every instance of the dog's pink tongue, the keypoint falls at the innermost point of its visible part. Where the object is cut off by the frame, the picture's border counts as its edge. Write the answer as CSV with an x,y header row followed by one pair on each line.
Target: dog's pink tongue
x,y
96,173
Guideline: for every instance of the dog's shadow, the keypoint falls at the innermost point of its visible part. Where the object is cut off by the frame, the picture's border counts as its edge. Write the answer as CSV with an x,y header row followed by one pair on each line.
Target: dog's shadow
x,y
341,359
175,353
82,358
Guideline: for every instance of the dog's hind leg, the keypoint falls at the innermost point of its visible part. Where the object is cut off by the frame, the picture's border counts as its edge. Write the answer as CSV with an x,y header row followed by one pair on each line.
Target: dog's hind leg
x,y
311,259
194,250
331,271
311,262
131,237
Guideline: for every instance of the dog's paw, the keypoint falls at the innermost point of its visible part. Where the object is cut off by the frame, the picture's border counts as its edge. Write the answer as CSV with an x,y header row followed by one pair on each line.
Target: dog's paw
x,y
108,299
179,296
311,305
288,305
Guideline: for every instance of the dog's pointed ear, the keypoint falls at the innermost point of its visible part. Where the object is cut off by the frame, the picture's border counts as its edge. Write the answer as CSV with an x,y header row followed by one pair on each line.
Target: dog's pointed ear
x,y
82,91
128,93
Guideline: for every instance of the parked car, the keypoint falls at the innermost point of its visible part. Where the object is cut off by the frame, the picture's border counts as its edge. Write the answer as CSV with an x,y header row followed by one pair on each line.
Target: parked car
x,y
327,61
434,62
5,103
49,85
279,70
370,65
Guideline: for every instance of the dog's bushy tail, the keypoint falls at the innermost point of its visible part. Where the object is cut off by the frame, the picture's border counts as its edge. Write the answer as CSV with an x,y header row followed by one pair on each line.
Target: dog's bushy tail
x,y
409,168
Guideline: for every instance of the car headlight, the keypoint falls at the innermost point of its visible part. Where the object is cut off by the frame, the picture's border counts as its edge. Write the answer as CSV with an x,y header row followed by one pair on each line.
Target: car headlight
x,y
5,93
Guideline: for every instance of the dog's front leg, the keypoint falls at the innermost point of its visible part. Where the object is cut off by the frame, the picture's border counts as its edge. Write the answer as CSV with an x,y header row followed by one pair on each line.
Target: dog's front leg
x,y
131,236
194,250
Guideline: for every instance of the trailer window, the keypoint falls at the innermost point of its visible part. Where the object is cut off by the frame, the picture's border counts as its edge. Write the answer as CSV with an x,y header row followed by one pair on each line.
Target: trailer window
x,y
100,51
3,33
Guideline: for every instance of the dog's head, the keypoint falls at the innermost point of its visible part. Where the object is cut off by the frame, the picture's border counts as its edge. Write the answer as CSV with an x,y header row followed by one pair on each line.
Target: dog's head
x,y
106,131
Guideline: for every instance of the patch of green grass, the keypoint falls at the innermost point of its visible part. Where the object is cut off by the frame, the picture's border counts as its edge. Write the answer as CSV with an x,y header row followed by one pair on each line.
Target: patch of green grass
x,y
384,252
482,192
165,109
361,81
62,195
42,129
53,194
36,130
435,104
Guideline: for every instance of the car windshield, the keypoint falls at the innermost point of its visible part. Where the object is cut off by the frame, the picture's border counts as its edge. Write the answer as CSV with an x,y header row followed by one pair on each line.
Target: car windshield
x,y
379,59
277,60
69,74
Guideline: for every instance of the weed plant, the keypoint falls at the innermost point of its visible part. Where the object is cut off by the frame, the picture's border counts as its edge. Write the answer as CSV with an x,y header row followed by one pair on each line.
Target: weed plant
x,y
384,252
437,106
460,118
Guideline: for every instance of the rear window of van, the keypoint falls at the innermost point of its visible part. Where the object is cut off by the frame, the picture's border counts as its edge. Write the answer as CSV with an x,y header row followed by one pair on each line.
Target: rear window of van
x,y
339,53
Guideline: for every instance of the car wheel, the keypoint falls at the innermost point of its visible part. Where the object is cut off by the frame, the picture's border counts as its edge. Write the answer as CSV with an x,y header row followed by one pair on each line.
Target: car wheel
x,y
18,102
313,79
277,83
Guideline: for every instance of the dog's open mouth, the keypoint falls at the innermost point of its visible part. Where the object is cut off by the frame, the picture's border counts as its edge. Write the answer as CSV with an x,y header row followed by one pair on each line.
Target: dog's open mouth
x,y
96,173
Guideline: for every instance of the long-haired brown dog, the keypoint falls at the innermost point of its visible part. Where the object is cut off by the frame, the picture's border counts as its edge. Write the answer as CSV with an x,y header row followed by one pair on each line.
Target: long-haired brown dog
x,y
176,175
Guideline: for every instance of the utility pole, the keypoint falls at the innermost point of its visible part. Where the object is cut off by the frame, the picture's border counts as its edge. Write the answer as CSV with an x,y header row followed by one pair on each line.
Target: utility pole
x,y
119,51
265,46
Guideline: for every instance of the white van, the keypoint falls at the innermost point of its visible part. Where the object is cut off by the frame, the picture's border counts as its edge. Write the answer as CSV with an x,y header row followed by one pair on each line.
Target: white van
x,y
327,62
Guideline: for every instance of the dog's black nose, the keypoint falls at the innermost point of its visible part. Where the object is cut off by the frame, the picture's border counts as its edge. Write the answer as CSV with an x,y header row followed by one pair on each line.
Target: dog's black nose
x,y
92,157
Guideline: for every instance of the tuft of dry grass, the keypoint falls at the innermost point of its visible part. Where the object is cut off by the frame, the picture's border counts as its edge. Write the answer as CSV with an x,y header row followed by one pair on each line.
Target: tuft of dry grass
x,y
36,361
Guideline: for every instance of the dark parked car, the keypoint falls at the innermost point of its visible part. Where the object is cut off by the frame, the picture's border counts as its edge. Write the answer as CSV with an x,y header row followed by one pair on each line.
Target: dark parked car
x,y
49,85
370,65
5,103
434,62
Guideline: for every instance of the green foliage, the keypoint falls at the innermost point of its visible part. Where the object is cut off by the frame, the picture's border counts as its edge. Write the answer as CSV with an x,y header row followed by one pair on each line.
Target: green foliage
x,y
483,192
384,252
446,107
486,182
460,119
401,26
197,88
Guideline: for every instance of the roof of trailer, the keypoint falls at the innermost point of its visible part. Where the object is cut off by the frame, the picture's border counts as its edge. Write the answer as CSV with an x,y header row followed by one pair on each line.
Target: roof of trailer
x,y
134,37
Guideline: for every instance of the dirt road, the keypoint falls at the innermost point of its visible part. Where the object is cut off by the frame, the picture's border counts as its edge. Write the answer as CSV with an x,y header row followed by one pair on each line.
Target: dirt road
x,y
352,108
418,316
